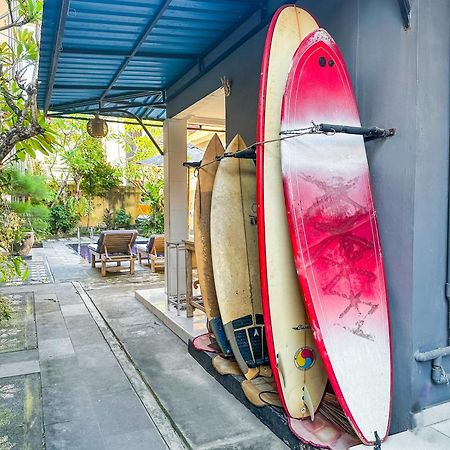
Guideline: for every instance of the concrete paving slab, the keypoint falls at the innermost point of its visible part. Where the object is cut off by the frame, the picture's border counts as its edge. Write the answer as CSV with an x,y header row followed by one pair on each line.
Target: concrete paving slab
x,y
18,368
55,348
56,371
74,435
121,412
105,380
137,440
95,355
52,331
74,310
19,356
64,402
85,335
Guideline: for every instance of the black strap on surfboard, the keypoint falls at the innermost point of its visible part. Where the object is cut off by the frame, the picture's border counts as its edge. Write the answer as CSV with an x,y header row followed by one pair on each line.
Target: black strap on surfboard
x,y
369,133
247,153
192,164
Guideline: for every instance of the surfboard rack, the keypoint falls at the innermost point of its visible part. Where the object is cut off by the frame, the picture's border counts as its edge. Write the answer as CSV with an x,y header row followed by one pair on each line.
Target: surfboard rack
x,y
367,133
331,129
247,153
192,164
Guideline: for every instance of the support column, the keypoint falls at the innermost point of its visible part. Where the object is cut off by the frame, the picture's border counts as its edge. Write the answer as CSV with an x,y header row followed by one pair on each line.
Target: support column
x,y
175,200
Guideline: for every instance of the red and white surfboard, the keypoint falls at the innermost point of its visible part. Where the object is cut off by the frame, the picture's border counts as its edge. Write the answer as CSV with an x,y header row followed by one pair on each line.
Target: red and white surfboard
x,y
334,234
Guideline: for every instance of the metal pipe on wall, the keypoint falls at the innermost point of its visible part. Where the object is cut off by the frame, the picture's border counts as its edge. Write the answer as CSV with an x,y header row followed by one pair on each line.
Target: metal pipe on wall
x,y
438,374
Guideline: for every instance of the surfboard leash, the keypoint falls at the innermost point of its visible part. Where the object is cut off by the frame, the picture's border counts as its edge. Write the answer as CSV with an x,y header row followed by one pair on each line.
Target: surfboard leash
x,y
368,133
377,445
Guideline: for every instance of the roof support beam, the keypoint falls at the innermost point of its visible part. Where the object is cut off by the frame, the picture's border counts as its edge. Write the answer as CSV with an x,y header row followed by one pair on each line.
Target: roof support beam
x,y
130,105
147,131
102,53
144,89
137,46
56,51
95,101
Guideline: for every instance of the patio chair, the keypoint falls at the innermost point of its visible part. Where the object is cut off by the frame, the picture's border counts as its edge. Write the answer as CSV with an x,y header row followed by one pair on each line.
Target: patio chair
x,y
143,250
153,251
113,246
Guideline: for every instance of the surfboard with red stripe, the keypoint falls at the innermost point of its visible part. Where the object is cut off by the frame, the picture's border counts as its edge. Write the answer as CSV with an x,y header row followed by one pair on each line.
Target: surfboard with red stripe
x,y
297,369
334,234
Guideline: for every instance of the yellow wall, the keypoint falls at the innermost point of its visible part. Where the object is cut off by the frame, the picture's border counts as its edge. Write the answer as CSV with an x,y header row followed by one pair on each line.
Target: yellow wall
x,y
126,198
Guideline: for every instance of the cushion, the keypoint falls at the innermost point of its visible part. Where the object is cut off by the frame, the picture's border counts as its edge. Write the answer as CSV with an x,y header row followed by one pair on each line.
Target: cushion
x,y
142,248
150,243
93,247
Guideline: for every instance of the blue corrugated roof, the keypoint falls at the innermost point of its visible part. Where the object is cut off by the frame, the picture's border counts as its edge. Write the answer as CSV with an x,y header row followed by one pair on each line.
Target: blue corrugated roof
x,y
114,50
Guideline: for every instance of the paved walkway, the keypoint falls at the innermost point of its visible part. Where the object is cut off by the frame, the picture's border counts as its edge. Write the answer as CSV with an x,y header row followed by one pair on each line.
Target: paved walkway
x,y
84,365
106,374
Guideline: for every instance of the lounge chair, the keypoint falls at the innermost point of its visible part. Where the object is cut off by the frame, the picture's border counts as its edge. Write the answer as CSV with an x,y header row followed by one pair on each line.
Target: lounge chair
x,y
153,251
113,246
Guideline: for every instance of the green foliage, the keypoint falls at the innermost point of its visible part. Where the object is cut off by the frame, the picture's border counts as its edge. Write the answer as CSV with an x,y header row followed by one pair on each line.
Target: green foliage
x,y
89,168
23,126
138,146
10,266
122,219
26,185
153,224
108,219
153,192
63,218
5,309
30,193
36,217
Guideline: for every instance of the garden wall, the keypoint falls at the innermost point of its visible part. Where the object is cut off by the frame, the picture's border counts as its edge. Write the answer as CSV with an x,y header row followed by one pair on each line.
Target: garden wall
x,y
124,197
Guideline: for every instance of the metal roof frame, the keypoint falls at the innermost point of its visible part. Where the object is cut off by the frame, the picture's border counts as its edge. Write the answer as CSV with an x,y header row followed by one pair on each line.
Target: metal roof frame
x,y
125,91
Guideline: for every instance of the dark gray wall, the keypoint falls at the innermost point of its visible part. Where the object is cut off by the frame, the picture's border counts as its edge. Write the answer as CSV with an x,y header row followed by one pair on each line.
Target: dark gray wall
x,y
401,80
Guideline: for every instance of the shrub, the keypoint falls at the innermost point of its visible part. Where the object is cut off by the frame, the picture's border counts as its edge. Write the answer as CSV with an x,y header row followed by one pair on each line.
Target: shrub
x,y
122,219
63,219
108,219
35,217
153,224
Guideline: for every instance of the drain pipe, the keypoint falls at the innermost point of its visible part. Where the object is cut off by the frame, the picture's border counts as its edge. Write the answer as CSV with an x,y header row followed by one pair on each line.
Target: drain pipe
x,y
438,375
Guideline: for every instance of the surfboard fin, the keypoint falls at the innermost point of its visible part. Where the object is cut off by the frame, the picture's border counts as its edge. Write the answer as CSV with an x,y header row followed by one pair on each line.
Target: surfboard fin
x,y
308,402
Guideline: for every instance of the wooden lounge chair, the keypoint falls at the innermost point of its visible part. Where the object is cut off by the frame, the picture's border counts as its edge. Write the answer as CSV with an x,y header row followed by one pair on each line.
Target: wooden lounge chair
x,y
153,251
113,246
143,250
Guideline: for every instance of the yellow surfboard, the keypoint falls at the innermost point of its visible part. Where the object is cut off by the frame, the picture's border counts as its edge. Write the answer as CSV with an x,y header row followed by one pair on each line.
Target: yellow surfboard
x,y
202,239
297,368
235,259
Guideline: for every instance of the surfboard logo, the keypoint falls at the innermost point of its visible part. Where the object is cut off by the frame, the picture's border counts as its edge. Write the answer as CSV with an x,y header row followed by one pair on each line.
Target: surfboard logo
x,y
302,327
304,358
